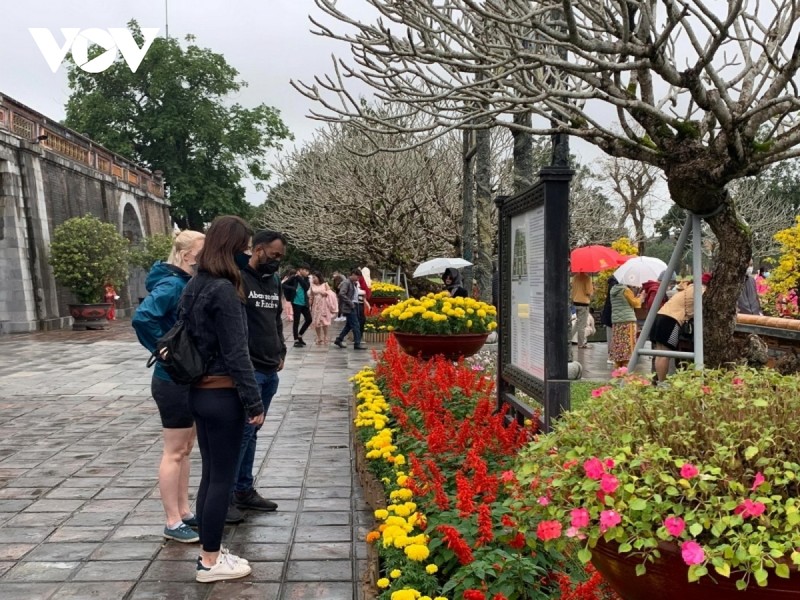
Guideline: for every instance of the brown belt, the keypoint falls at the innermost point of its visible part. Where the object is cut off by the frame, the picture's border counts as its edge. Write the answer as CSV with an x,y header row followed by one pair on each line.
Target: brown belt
x,y
213,382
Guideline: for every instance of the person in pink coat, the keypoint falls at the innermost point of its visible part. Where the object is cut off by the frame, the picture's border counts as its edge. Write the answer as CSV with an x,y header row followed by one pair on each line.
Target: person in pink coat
x,y
324,307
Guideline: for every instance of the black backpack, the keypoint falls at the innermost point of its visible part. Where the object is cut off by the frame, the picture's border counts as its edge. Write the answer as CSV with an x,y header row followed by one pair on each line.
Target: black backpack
x,y
177,353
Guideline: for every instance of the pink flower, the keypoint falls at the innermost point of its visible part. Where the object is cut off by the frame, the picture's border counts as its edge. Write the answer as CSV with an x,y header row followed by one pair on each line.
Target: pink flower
x,y
749,508
621,372
477,368
674,526
692,553
609,519
508,476
608,483
543,501
689,470
738,381
609,463
574,532
597,392
594,468
758,481
579,517
548,530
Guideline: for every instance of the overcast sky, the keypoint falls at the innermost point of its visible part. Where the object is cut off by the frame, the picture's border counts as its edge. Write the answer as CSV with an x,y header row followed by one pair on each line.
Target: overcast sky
x,y
267,41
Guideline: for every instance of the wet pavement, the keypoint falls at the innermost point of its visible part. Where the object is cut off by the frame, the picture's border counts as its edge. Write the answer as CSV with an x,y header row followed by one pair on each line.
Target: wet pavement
x,y
80,444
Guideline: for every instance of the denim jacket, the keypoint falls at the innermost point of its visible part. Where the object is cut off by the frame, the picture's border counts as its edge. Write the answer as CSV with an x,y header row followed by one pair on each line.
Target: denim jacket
x,y
218,324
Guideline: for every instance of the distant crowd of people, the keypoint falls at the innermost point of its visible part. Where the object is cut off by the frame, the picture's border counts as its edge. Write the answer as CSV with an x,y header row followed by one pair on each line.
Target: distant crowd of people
x,y
672,327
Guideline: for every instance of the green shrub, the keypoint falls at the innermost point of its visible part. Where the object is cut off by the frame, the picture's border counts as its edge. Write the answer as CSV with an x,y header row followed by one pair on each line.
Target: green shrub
x,y
154,248
86,254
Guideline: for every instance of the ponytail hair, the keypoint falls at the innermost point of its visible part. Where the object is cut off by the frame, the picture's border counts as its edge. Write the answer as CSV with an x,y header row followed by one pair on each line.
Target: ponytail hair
x,y
182,242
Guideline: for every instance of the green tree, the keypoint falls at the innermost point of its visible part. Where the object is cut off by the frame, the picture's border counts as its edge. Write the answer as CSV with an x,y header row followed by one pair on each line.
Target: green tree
x,y
174,115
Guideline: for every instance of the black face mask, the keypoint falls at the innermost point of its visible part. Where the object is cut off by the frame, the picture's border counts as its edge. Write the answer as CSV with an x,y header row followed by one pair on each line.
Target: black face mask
x,y
241,259
269,267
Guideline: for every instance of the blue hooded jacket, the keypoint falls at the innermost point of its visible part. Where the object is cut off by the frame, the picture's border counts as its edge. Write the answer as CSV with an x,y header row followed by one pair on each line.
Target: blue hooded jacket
x,y
159,311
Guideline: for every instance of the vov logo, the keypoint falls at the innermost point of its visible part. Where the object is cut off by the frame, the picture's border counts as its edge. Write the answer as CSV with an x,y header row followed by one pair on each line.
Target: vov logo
x,y
79,40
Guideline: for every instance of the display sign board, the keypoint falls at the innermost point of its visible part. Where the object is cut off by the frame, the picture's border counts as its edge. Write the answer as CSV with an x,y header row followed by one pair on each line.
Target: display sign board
x,y
534,307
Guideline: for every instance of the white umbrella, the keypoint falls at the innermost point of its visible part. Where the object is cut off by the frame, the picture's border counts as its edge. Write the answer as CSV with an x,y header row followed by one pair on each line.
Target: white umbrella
x,y
438,265
640,269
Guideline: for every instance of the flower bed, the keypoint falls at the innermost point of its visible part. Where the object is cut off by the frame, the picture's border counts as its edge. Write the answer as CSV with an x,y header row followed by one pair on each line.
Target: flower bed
x,y
443,455
708,464
380,289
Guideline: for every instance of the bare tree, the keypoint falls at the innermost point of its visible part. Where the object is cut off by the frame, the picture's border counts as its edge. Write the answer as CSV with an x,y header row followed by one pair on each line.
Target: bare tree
x,y
388,209
764,212
700,79
632,183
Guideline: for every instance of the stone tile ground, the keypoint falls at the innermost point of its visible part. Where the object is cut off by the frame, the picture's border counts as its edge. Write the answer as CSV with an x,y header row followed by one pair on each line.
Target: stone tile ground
x,y
80,516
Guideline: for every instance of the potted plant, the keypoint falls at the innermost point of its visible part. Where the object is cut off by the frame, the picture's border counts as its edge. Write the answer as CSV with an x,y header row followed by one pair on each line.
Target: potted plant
x,y
687,490
440,324
86,255
385,294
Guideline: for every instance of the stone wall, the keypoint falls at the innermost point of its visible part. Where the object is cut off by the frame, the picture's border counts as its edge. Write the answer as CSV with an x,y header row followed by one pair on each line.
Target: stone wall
x,y
40,189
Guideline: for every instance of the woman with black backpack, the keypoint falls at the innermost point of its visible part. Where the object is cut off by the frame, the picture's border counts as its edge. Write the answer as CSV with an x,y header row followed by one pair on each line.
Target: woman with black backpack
x,y
228,394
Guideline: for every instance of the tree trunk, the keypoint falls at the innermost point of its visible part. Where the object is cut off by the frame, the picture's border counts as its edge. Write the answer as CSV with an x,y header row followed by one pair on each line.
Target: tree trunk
x,y
730,264
523,154
468,204
719,302
483,210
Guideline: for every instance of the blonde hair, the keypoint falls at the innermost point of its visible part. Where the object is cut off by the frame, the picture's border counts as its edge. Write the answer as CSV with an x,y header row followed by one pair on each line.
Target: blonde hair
x,y
183,241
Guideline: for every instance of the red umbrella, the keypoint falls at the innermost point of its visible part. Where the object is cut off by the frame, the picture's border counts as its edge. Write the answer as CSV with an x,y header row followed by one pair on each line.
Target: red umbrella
x,y
592,259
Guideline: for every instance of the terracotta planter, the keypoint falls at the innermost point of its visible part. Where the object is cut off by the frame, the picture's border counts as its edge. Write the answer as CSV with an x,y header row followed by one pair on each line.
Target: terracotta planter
x,y
89,316
383,301
666,578
452,347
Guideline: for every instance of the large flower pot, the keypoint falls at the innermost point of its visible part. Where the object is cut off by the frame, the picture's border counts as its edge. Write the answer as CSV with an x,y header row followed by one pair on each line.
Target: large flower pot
x,y
383,301
451,347
89,316
666,578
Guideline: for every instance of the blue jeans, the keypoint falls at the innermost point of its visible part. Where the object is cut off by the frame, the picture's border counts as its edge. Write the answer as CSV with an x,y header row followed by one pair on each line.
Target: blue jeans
x,y
353,325
247,454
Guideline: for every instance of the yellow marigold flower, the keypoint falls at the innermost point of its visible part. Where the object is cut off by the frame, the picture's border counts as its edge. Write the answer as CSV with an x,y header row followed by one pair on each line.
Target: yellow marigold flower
x,y
481,313
440,598
431,569
381,514
373,536
401,541
395,573
417,552
399,459
424,598
382,583
402,479
469,323
406,594
390,328
399,521
402,510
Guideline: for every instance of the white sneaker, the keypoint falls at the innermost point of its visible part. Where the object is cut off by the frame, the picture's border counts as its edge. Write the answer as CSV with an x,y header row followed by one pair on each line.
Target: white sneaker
x,y
225,550
226,567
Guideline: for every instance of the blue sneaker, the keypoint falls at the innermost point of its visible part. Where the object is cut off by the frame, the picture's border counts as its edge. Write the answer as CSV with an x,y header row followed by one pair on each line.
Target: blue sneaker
x,y
190,522
183,534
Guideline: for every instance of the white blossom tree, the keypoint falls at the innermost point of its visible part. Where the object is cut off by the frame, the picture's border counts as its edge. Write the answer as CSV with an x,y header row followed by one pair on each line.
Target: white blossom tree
x,y
339,200
702,79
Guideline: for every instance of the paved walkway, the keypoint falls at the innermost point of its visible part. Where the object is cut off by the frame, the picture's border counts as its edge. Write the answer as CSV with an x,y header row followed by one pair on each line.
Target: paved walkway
x,y
80,443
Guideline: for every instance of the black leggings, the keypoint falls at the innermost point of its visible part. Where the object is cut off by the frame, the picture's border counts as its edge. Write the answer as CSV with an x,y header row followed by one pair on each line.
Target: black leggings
x,y
219,417
297,312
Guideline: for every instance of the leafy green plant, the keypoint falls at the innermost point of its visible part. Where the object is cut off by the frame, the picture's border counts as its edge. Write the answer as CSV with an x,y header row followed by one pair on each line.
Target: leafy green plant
x,y
86,254
154,248
709,464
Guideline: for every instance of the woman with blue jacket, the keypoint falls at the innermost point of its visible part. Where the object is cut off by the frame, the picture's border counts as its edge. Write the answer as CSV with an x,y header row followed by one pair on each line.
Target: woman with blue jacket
x,y
155,316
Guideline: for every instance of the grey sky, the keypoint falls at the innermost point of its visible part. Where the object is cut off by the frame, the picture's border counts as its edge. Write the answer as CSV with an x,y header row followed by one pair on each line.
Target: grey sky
x,y
268,41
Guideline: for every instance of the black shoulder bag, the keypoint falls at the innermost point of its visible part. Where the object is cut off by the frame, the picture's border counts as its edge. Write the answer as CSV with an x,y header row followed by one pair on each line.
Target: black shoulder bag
x,y
177,353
